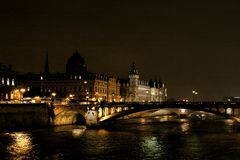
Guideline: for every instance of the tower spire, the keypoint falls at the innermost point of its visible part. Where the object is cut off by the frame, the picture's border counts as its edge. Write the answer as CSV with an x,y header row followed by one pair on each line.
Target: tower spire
x,y
134,69
46,66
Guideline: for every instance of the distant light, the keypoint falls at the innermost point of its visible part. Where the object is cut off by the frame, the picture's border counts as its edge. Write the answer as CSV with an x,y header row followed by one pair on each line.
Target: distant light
x,y
236,97
229,110
41,78
183,110
22,90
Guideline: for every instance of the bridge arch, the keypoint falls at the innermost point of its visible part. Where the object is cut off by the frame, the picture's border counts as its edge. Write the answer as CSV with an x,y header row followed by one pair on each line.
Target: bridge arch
x,y
134,108
69,117
194,115
153,113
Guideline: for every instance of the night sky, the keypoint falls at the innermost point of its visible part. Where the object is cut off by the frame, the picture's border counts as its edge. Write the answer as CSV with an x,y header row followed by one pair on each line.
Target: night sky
x,y
190,45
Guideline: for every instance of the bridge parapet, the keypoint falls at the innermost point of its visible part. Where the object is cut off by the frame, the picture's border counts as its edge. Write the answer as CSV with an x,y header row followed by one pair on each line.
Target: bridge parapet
x,y
97,114
225,109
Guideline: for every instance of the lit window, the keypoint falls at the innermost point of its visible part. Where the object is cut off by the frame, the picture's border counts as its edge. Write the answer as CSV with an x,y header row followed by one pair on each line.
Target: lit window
x,y
75,77
79,77
41,78
85,82
6,96
2,80
13,83
8,82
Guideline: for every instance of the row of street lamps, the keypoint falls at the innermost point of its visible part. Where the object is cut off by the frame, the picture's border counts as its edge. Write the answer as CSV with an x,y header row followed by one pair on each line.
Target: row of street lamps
x,y
194,98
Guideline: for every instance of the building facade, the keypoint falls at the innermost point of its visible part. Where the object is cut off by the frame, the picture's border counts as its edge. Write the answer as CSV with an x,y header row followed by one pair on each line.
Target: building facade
x,y
7,82
76,83
134,89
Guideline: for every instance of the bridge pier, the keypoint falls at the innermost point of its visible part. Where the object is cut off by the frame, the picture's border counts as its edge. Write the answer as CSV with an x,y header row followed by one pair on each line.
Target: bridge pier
x,y
91,117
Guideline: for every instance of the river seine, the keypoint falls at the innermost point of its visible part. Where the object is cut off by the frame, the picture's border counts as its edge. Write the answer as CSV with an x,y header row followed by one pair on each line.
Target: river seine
x,y
127,140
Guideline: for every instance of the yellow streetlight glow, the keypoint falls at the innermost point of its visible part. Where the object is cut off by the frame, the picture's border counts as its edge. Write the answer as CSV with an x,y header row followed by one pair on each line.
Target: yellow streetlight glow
x,y
22,90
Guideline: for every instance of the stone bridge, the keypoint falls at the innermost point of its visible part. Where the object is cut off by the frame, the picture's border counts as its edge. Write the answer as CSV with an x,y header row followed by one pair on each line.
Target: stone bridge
x,y
104,113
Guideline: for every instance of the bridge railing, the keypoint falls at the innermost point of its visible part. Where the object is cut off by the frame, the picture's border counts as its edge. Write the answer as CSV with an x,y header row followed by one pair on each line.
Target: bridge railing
x,y
177,103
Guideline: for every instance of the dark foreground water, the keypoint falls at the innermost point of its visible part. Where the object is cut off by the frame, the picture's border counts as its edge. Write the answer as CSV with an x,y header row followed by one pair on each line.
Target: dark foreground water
x,y
130,139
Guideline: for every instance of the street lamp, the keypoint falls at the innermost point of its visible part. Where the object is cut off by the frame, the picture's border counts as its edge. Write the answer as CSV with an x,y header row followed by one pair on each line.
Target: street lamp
x,y
195,93
87,98
71,96
22,90
113,99
147,99
53,96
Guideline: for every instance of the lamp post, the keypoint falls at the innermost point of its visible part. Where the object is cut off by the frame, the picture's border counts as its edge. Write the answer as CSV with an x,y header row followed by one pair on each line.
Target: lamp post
x,y
22,92
87,98
147,96
195,93
113,100
53,96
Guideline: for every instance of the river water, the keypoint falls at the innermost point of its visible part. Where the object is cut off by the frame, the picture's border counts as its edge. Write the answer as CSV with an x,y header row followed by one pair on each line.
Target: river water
x,y
127,140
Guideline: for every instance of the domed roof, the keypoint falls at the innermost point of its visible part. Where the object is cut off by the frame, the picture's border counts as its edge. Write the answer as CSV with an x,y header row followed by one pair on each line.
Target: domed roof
x,y
76,64
76,59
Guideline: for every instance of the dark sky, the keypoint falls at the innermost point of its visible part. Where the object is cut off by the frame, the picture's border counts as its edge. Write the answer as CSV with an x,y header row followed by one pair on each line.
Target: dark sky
x,y
191,45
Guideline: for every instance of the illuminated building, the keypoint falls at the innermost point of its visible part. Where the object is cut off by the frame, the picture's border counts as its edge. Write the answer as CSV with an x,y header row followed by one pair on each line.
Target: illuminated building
x,y
7,82
134,89
77,82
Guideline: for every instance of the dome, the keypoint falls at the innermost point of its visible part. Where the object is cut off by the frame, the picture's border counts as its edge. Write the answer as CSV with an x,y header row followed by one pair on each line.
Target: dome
x,y
76,59
76,64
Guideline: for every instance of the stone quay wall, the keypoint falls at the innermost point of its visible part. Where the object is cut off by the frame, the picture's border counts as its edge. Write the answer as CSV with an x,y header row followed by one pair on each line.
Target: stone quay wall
x,y
13,116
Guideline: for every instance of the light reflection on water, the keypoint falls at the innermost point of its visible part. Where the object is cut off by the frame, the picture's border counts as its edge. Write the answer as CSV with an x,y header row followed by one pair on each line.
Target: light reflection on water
x,y
78,132
21,144
185,126
153,139
151,147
